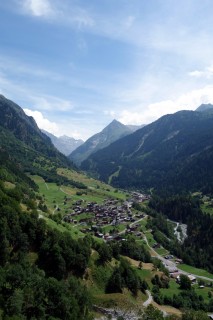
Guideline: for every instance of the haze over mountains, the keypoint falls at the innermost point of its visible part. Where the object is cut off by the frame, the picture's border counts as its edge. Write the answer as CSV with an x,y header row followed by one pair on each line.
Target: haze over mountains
x,y
114,131
64,144
175,152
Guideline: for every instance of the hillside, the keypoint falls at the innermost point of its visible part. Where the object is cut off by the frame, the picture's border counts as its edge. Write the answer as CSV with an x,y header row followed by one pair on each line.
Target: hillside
x,y
64,144
108,135
173,153
25,143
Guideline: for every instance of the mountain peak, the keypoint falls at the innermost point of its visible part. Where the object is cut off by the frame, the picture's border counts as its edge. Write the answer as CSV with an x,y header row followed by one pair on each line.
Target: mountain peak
x,y
112,132
204,107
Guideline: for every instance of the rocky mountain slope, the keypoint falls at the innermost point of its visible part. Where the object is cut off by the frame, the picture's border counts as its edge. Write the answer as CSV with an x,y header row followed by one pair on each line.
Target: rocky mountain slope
x,y
114,131
173,153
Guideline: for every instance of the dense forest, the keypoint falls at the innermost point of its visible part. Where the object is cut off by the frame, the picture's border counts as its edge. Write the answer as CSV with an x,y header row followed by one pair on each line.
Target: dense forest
x,y
40,268
197,248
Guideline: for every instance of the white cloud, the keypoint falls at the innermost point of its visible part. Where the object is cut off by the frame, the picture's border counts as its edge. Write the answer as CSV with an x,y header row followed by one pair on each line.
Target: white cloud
x,y
206,73
57,11
61,128
50,103
38,8
42,122
188,101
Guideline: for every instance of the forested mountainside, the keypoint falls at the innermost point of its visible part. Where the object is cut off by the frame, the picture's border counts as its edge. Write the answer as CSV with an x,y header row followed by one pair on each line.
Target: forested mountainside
x,y
25,143
173,153
197,248
34,259
109,134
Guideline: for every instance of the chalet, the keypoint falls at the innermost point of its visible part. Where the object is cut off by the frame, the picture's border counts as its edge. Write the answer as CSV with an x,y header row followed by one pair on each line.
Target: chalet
x,y
191,278
178,260
175,275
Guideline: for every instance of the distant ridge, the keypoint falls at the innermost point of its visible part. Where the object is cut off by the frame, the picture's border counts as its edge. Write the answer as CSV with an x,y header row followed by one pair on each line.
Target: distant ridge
x,y
64,144
114,131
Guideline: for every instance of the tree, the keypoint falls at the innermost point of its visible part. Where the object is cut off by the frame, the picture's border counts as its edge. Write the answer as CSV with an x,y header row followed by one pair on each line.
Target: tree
x,y
105,253
115,283
152,314
195,315
15,302
185,283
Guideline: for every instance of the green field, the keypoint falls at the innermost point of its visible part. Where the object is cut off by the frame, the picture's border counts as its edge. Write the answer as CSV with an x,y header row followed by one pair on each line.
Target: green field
x,y
99,188
150,238
162,251
174,289
54,195
195,271
75,233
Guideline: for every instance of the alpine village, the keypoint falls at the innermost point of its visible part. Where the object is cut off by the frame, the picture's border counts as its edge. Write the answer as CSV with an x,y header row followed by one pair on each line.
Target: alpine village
x,y
135,242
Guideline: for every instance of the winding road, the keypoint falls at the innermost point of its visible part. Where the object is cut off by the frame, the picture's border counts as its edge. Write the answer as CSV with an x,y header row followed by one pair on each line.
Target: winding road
x,y
149,300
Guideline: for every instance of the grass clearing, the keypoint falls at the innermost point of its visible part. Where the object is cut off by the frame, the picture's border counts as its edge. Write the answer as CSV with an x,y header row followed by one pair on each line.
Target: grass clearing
x,y
173,289
203,292
150,238
99,188
162,251
9,185
195,271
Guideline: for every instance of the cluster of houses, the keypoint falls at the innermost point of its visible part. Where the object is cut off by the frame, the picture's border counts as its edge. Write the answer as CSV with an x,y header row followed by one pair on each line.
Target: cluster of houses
x,y
110,213
174,272
139,197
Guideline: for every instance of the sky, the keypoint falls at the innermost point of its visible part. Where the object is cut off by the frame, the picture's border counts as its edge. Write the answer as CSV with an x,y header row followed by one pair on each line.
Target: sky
x,y
75,65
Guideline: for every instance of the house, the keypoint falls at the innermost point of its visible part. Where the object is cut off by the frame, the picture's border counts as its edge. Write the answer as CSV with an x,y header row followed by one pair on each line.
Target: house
x,y
174,275
191,278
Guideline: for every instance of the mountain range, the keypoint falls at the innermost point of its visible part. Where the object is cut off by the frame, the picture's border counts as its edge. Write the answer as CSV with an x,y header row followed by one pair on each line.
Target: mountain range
x,y
114,131
173,153
64,144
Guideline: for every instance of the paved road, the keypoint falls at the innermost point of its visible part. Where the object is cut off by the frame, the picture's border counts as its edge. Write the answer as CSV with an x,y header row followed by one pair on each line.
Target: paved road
x,y
172,264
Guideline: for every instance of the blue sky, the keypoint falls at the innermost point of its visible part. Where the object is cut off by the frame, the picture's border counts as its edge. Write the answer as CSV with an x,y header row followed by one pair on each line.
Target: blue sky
x,y
75,65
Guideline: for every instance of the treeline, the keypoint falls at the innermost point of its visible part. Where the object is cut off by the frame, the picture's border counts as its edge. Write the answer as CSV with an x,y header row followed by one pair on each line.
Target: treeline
x,y
39,267
197,249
